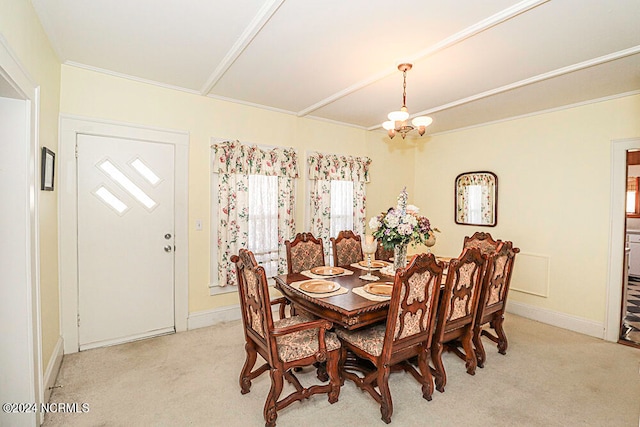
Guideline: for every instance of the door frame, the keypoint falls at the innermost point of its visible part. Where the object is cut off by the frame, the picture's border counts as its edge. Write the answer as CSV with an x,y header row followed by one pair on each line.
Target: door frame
x,y
70,127
617,230
26,296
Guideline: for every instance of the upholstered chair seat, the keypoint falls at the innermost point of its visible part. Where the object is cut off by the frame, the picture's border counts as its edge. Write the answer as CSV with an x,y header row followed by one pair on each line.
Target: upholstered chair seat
x,y
369,340
301,344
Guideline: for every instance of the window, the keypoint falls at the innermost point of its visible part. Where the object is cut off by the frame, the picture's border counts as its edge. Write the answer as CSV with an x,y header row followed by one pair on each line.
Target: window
x,y
263,221
341,206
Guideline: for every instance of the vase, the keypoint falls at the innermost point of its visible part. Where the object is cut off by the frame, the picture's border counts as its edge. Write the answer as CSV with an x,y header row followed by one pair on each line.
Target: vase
x,y
399,256
430,242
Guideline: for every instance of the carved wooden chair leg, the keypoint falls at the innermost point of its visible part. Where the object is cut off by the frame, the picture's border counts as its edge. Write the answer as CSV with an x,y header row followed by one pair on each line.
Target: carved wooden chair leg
x,y
502,337
333,359
439,372
471,362
481,355
425,371
271,405
245,374
386,405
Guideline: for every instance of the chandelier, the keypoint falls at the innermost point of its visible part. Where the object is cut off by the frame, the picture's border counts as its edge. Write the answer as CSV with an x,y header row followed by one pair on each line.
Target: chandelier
x,y
398,120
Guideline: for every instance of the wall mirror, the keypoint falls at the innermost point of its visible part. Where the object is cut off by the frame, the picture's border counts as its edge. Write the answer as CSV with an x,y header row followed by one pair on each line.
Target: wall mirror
x,y
476,199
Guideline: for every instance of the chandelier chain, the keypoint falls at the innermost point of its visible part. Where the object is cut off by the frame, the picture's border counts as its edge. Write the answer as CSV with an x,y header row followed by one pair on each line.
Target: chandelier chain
x,y
404,89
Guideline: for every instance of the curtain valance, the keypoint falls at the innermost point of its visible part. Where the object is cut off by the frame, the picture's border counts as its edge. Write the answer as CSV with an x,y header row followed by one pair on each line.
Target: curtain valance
x,y
334,167
233,157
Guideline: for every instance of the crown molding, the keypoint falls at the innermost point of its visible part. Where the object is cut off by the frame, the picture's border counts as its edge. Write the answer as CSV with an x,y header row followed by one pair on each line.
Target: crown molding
x,y
130,77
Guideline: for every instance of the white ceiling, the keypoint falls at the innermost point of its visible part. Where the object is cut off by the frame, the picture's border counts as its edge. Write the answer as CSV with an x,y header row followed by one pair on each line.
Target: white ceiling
x,y
474,61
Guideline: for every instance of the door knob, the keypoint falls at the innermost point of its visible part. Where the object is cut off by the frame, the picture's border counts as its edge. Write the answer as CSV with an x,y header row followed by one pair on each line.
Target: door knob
x,y
167,248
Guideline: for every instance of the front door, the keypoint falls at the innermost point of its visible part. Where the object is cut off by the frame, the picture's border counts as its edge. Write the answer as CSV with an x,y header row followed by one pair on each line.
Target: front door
x,y
125,240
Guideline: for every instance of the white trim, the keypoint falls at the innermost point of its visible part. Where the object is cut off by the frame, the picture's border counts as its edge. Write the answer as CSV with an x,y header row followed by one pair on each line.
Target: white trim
x,y
130,338
258,22
617,228
53,367
250,104
556,318
16,75
202,319
539,112
70,127
130,77
477,28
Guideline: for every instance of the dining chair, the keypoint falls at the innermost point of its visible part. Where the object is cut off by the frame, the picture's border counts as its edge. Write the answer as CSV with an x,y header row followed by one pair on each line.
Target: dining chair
x,y
493,300
457,312
347,249
482,241
407,333
284,344
382,253
304,252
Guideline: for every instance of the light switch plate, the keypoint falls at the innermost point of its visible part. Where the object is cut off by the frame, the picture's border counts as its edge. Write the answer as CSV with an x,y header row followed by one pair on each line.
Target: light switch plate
x,y
198,225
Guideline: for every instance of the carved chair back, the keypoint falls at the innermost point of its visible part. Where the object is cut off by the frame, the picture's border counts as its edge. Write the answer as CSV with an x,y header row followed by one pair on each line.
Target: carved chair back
x,y
493,298
255,302
457,311
304,252
482,241
413,306
347,249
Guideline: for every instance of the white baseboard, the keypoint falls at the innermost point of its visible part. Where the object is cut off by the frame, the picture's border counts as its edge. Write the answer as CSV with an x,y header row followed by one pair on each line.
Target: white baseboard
x,y
554,318
53,367
202,319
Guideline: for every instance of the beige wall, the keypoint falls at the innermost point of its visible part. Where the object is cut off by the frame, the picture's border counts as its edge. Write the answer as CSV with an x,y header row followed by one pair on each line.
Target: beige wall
x,y
21,29
553,196
100,96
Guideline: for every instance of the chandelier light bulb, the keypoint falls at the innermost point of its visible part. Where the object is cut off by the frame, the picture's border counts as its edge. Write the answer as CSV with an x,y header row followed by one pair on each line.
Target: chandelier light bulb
x,y
398,116
422,121
389,125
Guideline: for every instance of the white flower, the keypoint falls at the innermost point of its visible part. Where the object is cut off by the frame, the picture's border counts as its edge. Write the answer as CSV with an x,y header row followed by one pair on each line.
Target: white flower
x,y
392,219
405,229
374,224
411,220
413,209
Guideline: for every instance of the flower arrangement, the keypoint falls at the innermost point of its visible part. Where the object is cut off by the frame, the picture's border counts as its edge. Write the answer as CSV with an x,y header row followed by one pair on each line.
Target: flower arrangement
x,y
402,225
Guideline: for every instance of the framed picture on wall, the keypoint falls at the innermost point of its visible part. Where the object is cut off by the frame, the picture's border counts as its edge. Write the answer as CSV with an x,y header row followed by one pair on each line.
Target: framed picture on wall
x,y
48,168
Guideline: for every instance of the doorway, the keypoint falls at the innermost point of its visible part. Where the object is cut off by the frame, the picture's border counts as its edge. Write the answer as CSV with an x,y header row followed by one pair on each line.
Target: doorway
x,y
72,130
630,324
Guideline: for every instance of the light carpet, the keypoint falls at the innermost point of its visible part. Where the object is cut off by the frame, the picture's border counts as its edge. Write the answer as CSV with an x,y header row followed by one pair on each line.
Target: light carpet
x,y
549,377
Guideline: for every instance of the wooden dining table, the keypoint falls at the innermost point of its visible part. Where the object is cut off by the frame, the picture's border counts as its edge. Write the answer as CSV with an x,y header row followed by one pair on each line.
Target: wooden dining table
x,y
348,310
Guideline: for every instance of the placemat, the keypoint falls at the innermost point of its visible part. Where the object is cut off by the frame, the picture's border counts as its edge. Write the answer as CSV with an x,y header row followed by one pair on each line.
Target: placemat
x,y
364,294
310,275
340,291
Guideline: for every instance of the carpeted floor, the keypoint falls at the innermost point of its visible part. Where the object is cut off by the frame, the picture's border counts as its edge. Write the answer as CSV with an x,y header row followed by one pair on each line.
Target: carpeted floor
x,y
632,315
549,377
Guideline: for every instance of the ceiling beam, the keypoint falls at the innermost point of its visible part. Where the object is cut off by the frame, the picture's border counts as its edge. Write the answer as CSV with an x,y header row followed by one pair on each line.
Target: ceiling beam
x,y
535,79
258,22
456,38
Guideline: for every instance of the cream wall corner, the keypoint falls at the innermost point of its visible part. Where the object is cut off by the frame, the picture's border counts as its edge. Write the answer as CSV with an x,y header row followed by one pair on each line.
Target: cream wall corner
x,y
554,175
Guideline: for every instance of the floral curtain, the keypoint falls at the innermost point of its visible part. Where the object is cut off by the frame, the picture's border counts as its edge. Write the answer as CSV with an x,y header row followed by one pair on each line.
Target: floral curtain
x,y
323,168
234,162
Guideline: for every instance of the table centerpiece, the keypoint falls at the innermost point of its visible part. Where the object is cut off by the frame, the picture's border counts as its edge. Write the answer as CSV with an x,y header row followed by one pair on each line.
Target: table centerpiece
x,y
400,226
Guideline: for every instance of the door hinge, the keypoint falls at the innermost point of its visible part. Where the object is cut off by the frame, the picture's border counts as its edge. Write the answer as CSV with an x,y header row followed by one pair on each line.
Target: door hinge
x,y
76,151
78,320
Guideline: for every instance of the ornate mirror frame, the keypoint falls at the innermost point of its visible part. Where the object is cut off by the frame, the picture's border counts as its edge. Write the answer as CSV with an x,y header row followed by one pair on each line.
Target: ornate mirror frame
x,y
476,199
